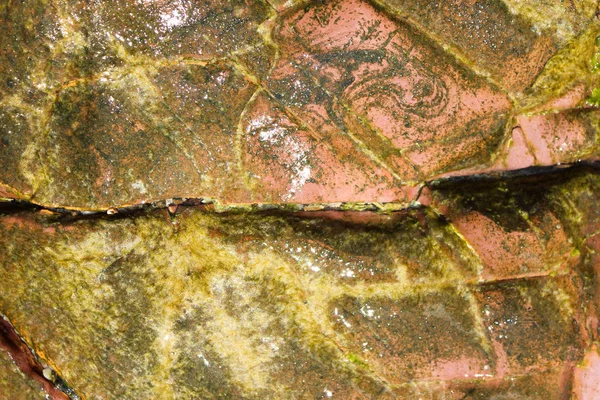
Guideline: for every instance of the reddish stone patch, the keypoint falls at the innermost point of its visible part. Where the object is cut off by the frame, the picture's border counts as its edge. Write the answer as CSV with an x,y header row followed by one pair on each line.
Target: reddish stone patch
x,y
351,70
537,248
591,253
25,360
530,324
426,337
7,192
496,39
552,385
551,138
586,384
287,163
518,154
565,137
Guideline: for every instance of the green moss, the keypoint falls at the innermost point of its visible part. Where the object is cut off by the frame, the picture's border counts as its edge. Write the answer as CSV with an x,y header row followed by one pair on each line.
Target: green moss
x,y
356,360
356,206
595,61
576,63
594,99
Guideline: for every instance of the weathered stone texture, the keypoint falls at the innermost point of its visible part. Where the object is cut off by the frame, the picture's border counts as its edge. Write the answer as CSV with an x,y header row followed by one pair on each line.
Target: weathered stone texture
x,y
14,385
300,199
284,306
246,102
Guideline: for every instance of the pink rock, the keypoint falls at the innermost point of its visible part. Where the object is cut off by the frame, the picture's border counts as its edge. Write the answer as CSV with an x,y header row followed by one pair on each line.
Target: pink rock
x,y
489,34
586,383
286,163
381,90
519,252
518,155
558,138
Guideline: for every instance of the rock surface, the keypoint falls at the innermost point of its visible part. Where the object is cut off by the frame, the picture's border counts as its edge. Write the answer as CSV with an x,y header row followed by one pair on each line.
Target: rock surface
x,y
299,199
498,297
245,102
14,384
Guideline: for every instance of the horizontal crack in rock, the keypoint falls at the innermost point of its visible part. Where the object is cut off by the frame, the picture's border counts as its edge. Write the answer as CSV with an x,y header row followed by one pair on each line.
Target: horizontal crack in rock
x,y
543,173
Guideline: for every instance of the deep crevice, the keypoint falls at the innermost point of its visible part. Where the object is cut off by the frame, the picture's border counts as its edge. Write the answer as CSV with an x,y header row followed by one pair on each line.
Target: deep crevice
x,y
539,175
27,361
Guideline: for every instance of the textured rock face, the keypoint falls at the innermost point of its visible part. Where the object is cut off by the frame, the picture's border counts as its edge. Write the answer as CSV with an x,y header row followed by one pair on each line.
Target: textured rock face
x,y
239,102
356,305
320,199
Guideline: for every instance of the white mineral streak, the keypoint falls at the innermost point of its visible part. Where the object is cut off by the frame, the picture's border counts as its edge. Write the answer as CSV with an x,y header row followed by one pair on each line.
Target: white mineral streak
x,y
296,152
173,18
242,339
139,186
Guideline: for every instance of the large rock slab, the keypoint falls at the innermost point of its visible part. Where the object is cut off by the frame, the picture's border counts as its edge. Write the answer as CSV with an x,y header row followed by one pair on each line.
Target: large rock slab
x,y
299,199
247,102
490,290
510,40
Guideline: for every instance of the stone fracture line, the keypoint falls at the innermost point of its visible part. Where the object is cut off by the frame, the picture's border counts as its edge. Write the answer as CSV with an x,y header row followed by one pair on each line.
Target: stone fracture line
x,y
26,359
212,204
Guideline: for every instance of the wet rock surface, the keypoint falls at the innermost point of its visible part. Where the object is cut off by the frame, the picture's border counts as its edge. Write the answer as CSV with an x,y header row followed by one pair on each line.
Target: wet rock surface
x,y
248,102
311,305
14,384
285,199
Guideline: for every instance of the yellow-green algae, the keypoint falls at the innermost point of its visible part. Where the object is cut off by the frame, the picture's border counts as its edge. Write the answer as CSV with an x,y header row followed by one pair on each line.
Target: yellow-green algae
x,y
560,19
204,305
271,305
594,99
573,65
127,285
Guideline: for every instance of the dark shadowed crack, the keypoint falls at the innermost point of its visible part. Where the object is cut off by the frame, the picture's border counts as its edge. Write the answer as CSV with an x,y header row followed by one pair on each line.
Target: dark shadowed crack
x,y
530,173
539,174
30,364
